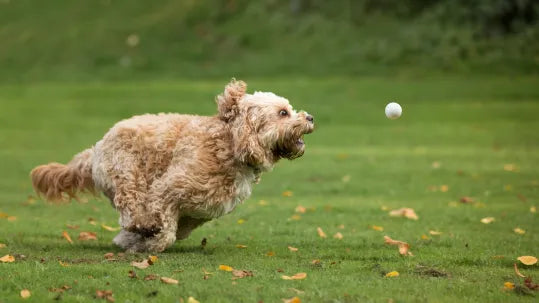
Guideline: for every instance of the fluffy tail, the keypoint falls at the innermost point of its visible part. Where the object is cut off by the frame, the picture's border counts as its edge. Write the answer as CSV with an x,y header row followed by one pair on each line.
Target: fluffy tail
x,y
59,182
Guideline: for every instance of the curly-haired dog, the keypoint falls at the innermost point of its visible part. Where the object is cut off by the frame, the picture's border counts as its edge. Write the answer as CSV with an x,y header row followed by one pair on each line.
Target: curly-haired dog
x,y
169,173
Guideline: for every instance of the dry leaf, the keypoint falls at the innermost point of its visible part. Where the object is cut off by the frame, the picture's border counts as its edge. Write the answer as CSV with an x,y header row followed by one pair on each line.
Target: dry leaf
x,y
225,268
72,226
292,300
298,276
109,256
2,245
142,264
533,210
241,246
104,294
444,188
510,167
295,217
192,300
241,221
403,246
529,284
321,232
152,259
436,164
340,226
92,221
106,227
300,209
87,235
315,262
404,212
292,248
435,233
168,280
466,200
376,227
270,253
519,231
11,218
7,259
150,277
392,274
288,193
338,236
424,237
132,274
240,274
527,260
25,294
518,272
64,264
67,237
488,220
508,286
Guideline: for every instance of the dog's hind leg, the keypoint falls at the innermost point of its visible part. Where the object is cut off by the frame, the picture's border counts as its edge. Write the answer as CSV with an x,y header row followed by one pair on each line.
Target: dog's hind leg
x,y
186,225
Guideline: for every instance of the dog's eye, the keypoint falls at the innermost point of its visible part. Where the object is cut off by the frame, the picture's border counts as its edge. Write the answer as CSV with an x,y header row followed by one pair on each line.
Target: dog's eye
x,y
283,113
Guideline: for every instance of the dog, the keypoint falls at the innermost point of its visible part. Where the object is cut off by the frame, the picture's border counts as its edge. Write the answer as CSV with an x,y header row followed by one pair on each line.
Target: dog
x,y
167,174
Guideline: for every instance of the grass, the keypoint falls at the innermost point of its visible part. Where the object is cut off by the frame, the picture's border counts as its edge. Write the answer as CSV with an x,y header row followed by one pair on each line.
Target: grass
x,y
472,127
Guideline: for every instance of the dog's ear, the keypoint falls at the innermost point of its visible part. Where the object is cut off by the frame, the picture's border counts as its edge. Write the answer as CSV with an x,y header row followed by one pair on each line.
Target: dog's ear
x,y
247,146
227,102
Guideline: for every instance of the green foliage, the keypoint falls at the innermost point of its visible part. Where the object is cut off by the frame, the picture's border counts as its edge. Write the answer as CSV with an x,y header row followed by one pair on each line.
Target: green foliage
x,y
87,39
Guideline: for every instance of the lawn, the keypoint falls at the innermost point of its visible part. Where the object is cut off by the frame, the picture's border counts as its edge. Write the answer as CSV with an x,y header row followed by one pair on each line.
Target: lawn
x,y
475,137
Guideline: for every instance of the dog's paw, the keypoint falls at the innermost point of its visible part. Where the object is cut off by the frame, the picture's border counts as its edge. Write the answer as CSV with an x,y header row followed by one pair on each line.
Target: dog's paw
x,y
145,225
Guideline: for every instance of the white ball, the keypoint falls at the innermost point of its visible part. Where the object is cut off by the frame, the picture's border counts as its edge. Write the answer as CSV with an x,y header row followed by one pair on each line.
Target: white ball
x,y
393,110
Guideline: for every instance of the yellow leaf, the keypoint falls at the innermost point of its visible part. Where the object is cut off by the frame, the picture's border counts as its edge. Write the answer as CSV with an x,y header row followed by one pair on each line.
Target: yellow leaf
x,y
338,236
404,212
377,228
262,203
2,245
517,272
192,300
168,280
241,221
295,217
435,233
321,233
64,264
488,220
527,260
444,188
533,210
106,227
298,276
510,167
225,268
67,237
300,209
25,294
519,231
424,237
270,253
87,235
92,221
508,285
152,259
241,246
11,218
384,208
292,248
392,274
292,300
7,259
288,193
340,226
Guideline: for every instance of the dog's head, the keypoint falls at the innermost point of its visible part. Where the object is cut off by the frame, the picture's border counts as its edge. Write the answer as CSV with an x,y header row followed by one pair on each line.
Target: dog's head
x,y
265,127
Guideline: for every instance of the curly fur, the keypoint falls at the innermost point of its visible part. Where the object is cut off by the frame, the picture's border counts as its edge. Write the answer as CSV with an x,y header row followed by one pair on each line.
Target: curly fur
x,y
167,174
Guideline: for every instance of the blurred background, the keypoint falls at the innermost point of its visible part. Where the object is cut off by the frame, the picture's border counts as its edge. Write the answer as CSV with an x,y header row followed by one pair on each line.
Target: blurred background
x,y
122,39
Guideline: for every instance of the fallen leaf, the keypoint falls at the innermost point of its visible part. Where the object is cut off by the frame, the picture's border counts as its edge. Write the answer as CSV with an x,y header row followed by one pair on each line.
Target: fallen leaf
x,y
262,203
150,277
508,286
295,217
533,210
67,237
392,274
436,164
87,235
72,226
292,248
192,300
338,236
109,256
270,253
142,264
444,188
106,227
376,227
292,300
3,215
64,264
529,284
168,280
288,193
404,212
225,268
424,237
315,262
7,259
527,260
300,209
240,274
152,259
298,276
519,231
61,289
321,232
466,200
488,220
92,221
435,233
25,294
517,271
241,246
241,221
2,245
104,294
132,274
11,218
403,246
340,226
510,167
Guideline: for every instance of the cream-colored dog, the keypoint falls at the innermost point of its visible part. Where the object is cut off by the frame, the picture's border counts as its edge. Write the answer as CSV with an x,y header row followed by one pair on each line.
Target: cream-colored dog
x,y
169,173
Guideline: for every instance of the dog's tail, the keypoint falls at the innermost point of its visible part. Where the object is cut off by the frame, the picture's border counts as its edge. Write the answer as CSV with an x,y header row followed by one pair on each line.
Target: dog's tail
x,y
59,182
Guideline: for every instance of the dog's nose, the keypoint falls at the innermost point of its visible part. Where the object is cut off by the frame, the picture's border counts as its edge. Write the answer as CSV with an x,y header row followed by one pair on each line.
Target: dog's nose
x,y
310,118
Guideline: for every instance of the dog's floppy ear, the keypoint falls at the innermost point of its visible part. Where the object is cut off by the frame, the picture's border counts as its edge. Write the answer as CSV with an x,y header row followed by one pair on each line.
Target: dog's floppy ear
x,y
247,145
227,102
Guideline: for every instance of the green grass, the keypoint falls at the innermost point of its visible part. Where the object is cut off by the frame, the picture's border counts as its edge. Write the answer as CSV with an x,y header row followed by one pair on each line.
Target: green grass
x,y
472,127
